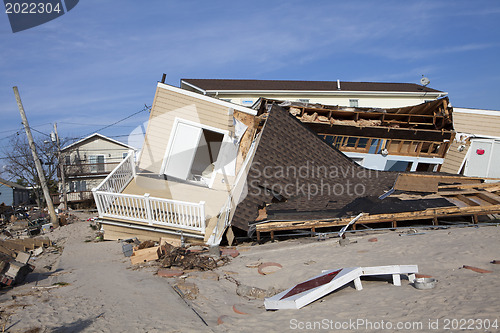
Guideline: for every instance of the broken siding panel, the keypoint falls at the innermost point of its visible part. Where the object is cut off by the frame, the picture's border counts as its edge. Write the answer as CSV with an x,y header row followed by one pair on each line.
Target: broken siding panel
x,y
167,106
454,158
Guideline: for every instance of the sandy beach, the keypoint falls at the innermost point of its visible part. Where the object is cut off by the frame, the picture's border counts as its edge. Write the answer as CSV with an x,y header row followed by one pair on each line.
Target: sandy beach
x,y
92,287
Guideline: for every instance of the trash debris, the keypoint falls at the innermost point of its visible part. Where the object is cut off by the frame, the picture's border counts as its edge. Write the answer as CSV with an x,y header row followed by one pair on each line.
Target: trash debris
x,y
497,262
164,272
253,264
478,270
424,283
145,255
181,257
254,292
189,289
14,271
374,239
230,252
269,268
240,309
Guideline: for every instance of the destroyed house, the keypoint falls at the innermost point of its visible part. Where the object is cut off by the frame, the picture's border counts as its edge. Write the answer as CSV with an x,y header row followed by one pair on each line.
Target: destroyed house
x,y
210,168
190,169
412,138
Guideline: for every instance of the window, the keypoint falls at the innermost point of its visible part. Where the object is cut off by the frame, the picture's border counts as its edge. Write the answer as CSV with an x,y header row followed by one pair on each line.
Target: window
x,y
362,142
353,103
124,155
78,186
303,100
67,159
97,163
351,142
193,152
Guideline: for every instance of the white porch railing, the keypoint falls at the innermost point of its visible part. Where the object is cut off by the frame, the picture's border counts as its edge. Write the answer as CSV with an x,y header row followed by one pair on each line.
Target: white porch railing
x,y
112,203
119,178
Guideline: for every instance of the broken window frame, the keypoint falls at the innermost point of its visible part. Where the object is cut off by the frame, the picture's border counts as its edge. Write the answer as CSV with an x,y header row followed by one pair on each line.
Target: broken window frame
x,y
170,146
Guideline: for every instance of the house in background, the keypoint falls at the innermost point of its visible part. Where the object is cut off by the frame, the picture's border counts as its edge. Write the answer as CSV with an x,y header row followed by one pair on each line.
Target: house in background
x,y
87,162
12,194
476,148
353,94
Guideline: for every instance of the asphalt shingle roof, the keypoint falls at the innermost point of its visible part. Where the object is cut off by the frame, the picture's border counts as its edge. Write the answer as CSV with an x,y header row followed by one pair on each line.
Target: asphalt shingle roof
x,y
279,85
310,174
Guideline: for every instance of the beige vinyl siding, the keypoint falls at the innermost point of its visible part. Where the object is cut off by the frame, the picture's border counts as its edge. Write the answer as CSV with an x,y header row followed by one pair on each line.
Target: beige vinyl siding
x,y
454,158
113,152
166,107
478,124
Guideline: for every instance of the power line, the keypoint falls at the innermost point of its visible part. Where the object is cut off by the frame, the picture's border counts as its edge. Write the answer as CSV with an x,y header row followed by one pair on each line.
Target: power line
x,y
146,108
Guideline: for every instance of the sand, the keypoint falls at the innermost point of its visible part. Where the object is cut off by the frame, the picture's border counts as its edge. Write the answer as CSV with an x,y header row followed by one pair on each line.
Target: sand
x,y
105,295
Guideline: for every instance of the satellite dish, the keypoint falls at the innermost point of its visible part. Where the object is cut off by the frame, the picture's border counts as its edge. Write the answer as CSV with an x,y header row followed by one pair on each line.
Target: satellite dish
x,y
425,81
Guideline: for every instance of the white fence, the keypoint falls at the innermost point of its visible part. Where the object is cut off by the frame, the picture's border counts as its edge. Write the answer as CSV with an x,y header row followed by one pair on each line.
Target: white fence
x,y
143,208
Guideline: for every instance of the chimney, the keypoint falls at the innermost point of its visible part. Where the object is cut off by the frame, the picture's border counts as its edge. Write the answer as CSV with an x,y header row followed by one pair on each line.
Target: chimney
x,y
163,78
338,84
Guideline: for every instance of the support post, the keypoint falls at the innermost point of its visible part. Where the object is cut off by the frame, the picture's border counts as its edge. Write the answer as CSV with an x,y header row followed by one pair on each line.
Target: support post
x,y
148,208
202,216
435,220
38,165
61,169
396,279
357,284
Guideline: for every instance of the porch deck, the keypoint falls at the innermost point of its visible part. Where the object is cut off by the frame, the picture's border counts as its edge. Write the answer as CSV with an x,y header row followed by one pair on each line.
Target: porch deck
x,y
158,187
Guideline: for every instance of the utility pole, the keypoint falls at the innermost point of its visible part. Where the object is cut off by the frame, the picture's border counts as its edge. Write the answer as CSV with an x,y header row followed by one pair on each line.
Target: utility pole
x,y
39,170
61,169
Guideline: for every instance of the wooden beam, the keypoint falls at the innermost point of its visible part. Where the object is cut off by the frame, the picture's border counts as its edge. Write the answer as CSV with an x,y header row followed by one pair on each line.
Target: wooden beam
x,y
377,218
489,197
467,201
468,186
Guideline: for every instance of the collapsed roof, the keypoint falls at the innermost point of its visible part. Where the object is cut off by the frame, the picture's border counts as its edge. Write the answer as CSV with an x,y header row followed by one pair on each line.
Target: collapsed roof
x,y
296,176
427,121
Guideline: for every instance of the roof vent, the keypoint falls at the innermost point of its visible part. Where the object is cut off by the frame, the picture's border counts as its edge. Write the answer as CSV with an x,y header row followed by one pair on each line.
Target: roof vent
x,y
338,84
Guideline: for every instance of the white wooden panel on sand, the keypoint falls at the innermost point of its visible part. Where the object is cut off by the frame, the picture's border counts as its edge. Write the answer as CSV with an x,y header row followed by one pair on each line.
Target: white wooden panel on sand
x,y
310,290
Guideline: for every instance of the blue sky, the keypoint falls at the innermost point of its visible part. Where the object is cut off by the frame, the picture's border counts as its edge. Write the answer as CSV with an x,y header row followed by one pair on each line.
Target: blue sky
x,y
100,62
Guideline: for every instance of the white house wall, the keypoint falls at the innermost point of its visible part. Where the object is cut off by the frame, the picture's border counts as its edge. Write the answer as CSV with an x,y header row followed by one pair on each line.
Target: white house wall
x,y
379,162
113,153
387,101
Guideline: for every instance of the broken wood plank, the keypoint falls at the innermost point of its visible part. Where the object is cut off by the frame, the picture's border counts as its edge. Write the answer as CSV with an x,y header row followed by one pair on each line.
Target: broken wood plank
x,y
489,197
478,270
467,200
377,218
470,186
144,255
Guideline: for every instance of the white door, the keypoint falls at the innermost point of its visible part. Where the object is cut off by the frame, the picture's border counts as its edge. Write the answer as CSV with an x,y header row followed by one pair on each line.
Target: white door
x,y
182,150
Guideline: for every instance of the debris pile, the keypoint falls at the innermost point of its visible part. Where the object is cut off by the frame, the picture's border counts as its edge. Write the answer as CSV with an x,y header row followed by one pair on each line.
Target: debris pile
x,y
186,259
178,257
